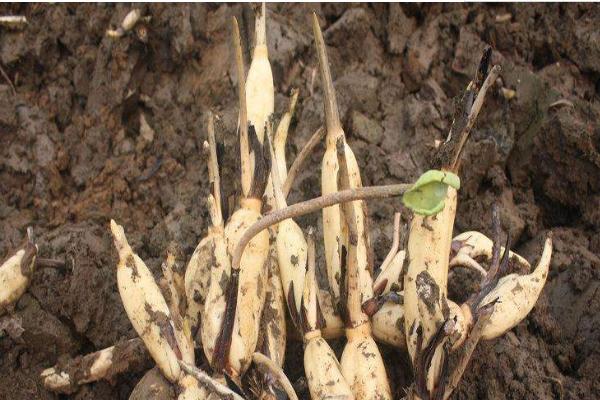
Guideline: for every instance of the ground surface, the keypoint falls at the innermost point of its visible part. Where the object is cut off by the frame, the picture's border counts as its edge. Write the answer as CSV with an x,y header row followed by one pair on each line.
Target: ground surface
x,y
74,152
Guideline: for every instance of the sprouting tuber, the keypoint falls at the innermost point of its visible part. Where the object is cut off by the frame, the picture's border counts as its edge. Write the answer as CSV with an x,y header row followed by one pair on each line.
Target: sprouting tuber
x,y
162,327
429,247
249,276
335,230
197,277
146,307
514,296
246,288
291,248
260,93
273,323
209,262
213,308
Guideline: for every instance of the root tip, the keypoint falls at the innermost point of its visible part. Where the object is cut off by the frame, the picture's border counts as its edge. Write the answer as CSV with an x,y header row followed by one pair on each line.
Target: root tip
x,y
30,236
114,227
315,20
118,236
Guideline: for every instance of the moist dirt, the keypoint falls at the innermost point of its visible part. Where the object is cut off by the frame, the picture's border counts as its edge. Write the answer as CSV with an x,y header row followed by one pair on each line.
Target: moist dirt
x,y
99,128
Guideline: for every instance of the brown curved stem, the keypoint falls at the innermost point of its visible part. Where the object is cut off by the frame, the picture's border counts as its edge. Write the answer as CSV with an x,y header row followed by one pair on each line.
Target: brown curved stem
x,y
298,163
310,206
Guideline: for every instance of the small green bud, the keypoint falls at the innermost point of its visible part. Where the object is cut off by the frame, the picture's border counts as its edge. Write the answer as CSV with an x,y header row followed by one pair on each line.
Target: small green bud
x,y
427,195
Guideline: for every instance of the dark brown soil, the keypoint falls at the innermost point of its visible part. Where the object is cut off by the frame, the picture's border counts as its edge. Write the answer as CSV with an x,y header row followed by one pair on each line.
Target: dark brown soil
x,y
74,153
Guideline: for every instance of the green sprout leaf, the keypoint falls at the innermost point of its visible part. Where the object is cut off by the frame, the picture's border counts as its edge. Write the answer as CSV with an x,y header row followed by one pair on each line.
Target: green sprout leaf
x,y
427,195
